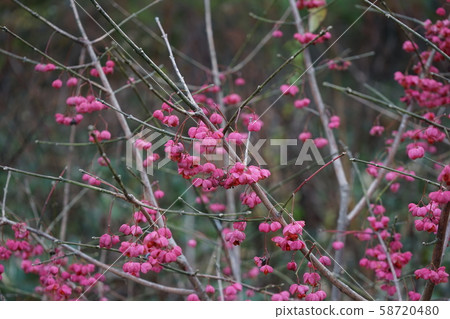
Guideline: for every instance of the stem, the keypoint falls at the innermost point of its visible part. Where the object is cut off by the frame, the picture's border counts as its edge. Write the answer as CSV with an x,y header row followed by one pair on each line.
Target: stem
x,y
65,216
234,253
60,65
311,177
350,91
5,191
174,63
257,48
397,171
270,77
344,188
380,239
388,161
51,25
316,172
181,260
390,16
128,18
438,250
256,188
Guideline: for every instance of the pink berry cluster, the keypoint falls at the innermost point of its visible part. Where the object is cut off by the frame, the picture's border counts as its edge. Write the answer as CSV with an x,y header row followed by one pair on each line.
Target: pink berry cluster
x,y
429,216
76,105
426,91
145,251
437,276
392,177
170,119
86,104
376,258
108,68
309,290
309,36
250,199
338,64
232,99
237,236
45,67
310,4
291,242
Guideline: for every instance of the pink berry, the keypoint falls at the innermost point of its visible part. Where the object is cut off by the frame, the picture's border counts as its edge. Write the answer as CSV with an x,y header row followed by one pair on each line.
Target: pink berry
x,y
173,121
232,99
158,114
264,227
338,245
40,67
266,269
416,152
104,135
57,84
192,243
49,67
292,266
320,142
193,297
301,103
239,82
277,34
94,73
215,118
210,289
287,89
304,136
72,81
440,11
110,64
159,194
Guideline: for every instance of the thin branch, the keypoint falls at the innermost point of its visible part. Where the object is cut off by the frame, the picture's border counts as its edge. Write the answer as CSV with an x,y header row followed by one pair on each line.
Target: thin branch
x,y
400,110
60,65
65,217
439,247
132,117
258,190
257,47
150,87
270,77
344,188
5,191
316,172
394,14
146,58
60,179
174,63
311,177
397,171
155,36
128,18
380,239
66,209
51,25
